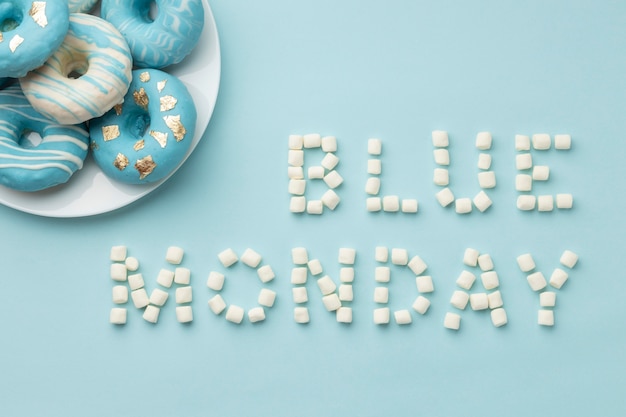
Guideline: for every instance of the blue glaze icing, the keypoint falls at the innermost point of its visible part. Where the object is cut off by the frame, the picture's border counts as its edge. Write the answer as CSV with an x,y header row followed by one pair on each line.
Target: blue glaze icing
x,y
39,40
165,41
92,45
26,167
145,142
81,6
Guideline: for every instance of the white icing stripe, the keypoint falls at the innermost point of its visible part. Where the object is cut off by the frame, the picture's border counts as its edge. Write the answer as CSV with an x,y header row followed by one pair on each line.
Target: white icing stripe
x,y
27,154
38,167
67,139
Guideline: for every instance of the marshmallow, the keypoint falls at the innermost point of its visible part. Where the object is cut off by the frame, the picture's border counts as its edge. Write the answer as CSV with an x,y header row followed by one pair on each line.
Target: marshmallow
x,y
440,139
487,179
299,256
374,204
382,254
265,273
300,295
217,304
424,284
409,205
301,315
118,253
120,294
297,204
382,274
118,272
523,182
184,295
314,173
174,255
151,314
564,201
297,187
165,278
498,317
470,257
329,161
296,142
117,316
381,315
182,276
251,258
140,298
545,318
466,280
374,166
541,173
346,293
315,266
331,302
442,157
562,142
523,161
541,141
299,275
483,141
479,301
372,186
347,256
526,202
463,205
484,161
132,264
184,314
333,179
452,321
441,176
459,299
312,140
490,280
158,297
417,265
495,300
545,203
402,316
536,281
547,299
315,207
391,203
522,143
330,199
485,262
445,197
569,259
558,278
295,173
326,285
374,146
482,201
381,295
215,281
346,274
234,314
295,158
135,281
256,314
421,304
344,315
227,257
526,262
329,144
399,256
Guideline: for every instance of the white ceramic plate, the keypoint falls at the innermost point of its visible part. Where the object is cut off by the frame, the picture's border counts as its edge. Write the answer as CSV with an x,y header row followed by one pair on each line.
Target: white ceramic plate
x,y
89,191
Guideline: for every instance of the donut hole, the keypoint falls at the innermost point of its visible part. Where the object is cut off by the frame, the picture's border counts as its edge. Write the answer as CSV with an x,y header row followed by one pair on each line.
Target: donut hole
x,y
153,11
138,124
10,16
77,68
30,139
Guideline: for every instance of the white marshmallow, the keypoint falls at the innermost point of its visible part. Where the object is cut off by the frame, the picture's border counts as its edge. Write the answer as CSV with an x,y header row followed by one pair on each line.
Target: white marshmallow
x,y
440,138
251,258
558,278
140,298
333,179
382,254
184,314
374,204
487,179
118,272
265,273
118,253
569,259
296,141
523,161
374,146
466,280
297,187
120,294
301,315
522,143
399,256
484,161
174,255
452,321
330,199
485,262
562,142
297,204
182,276
541,173
326,285
158,297
537,281
526,202
300,295
483,141
345,292
135,281
495,300
217,304
151,314
463,205
295,173
315,207
490,280
165,278
381,295
299,275
295,158
541,141
445,197
132,264
498,317
330,161
235,314
346,274
331,302
547,299
347,256
312,140
299,256
424,284
374,166
417,265
479,301
470,257
117,316
545,203
482,201
184,295
228,257
382,274
391,203
545,318
409,205
442,156
256,314
526,262
564,201
402,317
315,266
344,315
381,315
421,304
459,299
523,182
441,176
372,185
329,144
215,281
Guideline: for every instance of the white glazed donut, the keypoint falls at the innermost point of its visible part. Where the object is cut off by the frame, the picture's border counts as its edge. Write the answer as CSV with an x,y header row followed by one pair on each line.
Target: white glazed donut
x,y
95,50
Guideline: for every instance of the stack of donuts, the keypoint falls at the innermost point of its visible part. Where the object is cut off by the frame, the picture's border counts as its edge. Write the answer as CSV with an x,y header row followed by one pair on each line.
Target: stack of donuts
x,y
84,82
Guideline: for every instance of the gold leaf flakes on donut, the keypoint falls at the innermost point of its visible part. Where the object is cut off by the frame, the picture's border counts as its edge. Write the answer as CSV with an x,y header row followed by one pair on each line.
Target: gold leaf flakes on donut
x,y
15,42
110,132
139,145
168,103
159,137
145,166
118,108
94,146
120,162
161,85
1,37
144,77
38,13
173,122
141,98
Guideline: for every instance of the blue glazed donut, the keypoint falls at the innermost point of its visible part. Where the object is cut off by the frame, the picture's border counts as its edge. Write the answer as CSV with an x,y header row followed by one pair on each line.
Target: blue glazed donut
x,y
81,6
29,32
26,167
144,139
97,51
157,43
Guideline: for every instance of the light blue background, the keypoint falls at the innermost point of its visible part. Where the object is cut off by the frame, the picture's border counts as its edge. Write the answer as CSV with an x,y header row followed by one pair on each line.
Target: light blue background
x,y
354,69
